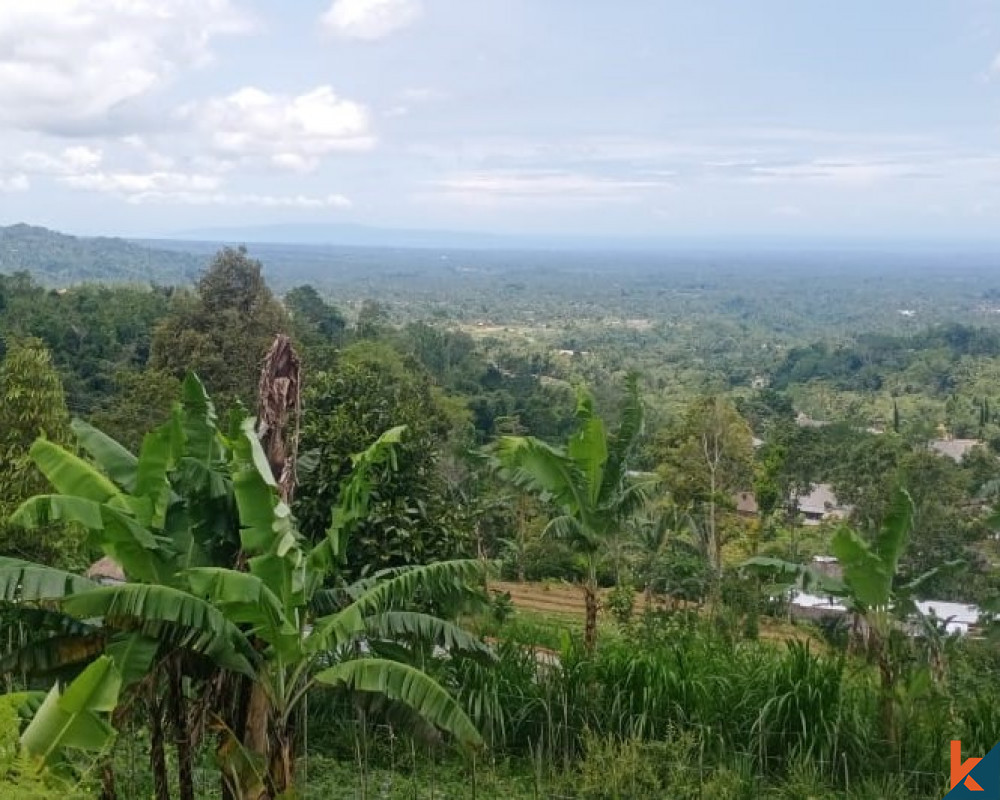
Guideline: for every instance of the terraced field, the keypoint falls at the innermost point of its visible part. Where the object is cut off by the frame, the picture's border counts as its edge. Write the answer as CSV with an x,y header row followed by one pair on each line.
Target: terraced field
x,y
563,603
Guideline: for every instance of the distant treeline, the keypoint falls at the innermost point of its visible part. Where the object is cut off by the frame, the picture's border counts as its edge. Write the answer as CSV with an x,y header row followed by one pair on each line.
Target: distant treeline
x,y
864,364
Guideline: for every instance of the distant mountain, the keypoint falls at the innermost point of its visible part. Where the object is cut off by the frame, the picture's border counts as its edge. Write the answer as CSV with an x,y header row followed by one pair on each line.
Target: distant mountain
x,y
412,238
55,259
358,236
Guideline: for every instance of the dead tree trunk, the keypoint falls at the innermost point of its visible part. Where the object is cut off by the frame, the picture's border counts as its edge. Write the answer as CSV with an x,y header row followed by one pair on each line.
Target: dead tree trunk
x,y
278,409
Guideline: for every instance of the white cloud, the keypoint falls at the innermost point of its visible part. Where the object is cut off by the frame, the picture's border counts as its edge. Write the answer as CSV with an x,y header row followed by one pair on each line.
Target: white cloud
x,y
71,65
71,161
546,184
17,182
289,132
835,172
370,19
244,199
188,188
136,184
410,99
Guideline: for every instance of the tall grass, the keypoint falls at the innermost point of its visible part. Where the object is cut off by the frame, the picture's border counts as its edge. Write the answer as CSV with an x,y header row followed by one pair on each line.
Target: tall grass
x,y
769,709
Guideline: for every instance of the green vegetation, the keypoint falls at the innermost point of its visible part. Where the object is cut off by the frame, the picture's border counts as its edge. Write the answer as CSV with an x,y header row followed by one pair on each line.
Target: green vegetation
x,y
303,595
57,260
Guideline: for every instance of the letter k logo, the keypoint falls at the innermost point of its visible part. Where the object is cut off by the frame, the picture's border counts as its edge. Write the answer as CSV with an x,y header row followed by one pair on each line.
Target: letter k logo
x,y
960,770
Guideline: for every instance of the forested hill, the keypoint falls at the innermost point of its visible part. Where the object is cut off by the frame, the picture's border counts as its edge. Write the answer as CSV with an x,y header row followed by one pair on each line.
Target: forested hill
x,y
55,259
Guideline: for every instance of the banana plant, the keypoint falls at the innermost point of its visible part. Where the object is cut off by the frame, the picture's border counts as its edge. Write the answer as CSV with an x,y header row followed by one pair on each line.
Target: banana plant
x,y
588,481
161,515
883,608
281,599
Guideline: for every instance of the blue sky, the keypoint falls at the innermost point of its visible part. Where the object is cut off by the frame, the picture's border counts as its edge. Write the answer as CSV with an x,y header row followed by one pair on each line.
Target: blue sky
x,y
636,118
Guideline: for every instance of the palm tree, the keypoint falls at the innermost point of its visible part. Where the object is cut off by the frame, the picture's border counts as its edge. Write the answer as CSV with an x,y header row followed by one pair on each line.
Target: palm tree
x,y
277,623
588,481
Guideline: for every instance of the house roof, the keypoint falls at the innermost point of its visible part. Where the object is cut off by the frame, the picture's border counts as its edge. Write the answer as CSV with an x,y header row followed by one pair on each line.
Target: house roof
x,y
106,568
955,449
958,617
806,600
820,500
746,503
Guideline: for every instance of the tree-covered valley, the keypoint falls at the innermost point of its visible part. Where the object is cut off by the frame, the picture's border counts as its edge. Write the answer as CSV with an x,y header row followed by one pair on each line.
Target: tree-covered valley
x,y
295,521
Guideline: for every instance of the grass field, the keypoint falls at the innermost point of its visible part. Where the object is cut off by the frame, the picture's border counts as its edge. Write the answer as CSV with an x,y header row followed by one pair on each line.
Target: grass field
x,y
556,604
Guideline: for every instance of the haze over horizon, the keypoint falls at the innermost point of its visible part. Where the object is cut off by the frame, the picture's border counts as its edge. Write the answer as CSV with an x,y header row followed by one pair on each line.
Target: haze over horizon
x,y
504,117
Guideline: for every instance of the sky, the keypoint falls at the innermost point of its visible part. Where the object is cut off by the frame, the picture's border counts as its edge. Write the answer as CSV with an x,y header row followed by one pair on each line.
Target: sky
x,y
634,118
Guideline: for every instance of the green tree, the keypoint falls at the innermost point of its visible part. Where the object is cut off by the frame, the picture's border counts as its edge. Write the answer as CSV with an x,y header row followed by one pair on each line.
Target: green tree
x,y
315,320
141,401
32,403
705,460
587,480
371,389
222,331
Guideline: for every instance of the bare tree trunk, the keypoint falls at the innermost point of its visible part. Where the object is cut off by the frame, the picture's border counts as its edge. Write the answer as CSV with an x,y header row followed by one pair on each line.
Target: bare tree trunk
x,y
108,790
182,738
888,690
520,540
590,602
257,729
157,752
713,454
282,766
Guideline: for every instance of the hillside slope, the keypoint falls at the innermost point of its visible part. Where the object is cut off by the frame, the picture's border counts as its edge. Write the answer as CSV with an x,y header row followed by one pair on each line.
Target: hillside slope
x,y
55,259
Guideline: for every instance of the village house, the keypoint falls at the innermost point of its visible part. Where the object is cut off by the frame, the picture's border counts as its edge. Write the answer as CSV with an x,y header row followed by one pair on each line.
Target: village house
x,y
821,505
957,618
955,449
746,504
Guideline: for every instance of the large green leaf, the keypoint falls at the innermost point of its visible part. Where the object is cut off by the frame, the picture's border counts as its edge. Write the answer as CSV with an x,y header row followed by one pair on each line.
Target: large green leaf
x,y
408,685
865,573
588,447
195,421
621,445
426,628
137,549
892,538
113,458
155,459
434,580
133,655
75,718
532,464
174,617
71,475
265,521
246,600
25,581
353,504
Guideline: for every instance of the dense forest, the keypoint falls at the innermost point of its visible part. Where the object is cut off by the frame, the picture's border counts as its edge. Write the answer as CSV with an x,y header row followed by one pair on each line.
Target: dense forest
x,y
371,523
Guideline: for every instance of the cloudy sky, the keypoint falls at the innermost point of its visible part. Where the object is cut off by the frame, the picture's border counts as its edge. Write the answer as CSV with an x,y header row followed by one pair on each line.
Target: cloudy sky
x,y
632,118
